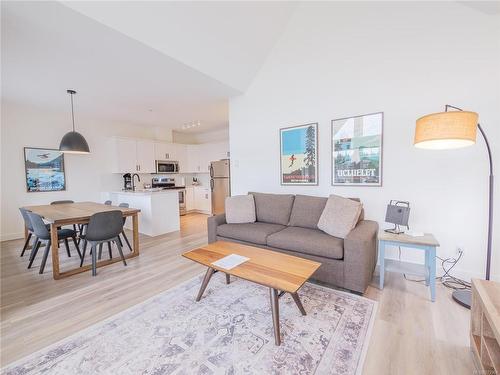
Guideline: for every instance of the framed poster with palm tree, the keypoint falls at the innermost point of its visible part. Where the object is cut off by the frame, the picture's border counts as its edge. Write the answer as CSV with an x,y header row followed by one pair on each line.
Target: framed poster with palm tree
x,y
357,150
299,155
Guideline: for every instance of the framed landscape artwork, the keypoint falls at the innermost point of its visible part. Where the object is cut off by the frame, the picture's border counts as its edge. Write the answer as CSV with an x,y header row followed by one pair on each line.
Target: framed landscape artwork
x,y
44,169
298,155
357,150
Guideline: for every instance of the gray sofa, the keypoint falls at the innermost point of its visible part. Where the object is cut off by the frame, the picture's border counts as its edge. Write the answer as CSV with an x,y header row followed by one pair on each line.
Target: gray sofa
x,y
288,223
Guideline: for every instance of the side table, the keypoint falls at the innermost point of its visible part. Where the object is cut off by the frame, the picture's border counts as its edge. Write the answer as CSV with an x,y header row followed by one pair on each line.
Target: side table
x,y
427,243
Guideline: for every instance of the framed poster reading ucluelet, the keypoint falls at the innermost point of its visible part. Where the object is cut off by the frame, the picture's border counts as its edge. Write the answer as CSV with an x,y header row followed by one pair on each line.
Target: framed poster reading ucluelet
x,y
298,155
357,150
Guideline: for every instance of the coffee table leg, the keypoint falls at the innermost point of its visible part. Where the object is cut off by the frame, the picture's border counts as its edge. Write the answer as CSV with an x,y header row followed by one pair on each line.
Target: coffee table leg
x,y
276,315
296,298
228,279
206,279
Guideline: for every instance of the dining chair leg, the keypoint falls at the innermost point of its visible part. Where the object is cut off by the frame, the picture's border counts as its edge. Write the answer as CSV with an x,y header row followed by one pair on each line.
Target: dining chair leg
x,y
26,243
100,251
66,244
94,259
120,251
45,255
34,251
109,250
77,247
126,240
83,252
35,243
120,241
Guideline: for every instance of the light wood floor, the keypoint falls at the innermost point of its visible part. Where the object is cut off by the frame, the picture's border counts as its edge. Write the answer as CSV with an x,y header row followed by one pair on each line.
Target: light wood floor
x,y
411,335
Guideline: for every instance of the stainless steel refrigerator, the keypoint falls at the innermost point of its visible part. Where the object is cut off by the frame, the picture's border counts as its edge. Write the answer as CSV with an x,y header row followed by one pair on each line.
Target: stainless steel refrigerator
x,y
220,184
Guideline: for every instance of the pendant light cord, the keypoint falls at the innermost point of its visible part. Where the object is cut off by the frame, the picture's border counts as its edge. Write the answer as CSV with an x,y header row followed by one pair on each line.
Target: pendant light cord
x,y
72,111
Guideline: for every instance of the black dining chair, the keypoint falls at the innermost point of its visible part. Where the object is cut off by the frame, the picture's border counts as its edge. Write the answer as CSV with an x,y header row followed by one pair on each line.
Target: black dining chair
x,y
103,227
42,234
108,203
110,251
27,224
124,205
66,201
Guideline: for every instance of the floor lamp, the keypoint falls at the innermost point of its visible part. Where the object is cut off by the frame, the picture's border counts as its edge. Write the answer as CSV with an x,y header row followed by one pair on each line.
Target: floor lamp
x,y
455,129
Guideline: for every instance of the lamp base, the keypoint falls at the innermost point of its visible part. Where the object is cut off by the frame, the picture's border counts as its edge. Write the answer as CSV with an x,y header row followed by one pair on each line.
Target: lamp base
x,y
463,297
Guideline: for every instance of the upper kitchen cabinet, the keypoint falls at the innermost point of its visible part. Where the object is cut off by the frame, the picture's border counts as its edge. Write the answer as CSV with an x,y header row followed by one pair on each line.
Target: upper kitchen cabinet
x,y
146,156
194,159
217,151
132,155
124,155
172,151
139,155
165,151
200,156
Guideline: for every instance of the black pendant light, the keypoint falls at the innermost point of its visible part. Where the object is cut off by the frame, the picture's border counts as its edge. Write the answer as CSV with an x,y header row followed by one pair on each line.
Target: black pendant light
x,y
73,142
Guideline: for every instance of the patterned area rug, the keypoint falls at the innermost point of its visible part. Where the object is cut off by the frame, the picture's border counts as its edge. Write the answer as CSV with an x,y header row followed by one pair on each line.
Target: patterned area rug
x,y
228,332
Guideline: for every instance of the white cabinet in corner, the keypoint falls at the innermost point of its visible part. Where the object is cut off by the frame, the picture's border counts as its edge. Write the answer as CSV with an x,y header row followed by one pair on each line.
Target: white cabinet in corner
x,y
202,199
132,155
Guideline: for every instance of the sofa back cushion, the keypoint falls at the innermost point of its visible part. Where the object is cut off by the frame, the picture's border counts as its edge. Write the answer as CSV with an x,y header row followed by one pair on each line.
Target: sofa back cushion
x,y
240,209
306,211
273,208
339,216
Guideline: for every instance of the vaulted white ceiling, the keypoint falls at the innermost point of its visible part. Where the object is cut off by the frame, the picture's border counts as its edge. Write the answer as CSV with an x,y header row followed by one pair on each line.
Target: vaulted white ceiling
x,y
151,63
225,40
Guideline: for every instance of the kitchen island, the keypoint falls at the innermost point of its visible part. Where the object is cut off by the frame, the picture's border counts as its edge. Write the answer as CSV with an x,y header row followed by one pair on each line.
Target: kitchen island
x,y
159,209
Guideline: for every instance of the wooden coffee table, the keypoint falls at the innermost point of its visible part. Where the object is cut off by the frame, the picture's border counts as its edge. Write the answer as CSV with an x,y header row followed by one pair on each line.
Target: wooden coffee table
x,y
281,273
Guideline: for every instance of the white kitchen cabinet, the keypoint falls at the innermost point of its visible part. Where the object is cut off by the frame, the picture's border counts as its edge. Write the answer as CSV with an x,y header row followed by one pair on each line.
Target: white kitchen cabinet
x,y
193,158
124,155
163,151
167,151
217,151
190,198
145,156
132,155
202,199
181,157
139,155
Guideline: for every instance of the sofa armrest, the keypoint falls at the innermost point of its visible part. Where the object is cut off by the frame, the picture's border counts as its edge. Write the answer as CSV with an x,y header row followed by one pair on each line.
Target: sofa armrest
x,y
212,223
360,255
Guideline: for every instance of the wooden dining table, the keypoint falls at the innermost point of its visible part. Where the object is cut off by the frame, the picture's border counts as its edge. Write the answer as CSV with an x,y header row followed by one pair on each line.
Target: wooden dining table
x,y
58,215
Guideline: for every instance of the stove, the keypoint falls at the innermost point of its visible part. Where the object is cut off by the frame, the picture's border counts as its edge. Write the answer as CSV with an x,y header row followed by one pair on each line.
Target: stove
x,y
168,183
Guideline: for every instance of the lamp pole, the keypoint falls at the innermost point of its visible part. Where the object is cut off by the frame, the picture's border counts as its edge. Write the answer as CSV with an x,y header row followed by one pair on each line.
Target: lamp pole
x,y
463,297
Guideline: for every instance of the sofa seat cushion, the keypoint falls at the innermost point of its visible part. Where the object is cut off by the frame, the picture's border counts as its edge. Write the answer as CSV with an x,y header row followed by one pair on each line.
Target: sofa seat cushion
x,y
308,241
250,232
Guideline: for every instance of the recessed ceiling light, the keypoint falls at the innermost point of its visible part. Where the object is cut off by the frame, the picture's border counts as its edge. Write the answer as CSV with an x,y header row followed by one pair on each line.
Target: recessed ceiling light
x,y
192,124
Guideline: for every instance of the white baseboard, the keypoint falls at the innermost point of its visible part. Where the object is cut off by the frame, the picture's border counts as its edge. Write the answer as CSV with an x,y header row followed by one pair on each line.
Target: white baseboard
x,y
11,236
459,273
198,212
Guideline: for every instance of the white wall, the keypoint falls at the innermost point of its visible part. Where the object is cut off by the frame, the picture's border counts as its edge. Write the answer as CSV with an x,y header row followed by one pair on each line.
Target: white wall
x,y
405,59
86,175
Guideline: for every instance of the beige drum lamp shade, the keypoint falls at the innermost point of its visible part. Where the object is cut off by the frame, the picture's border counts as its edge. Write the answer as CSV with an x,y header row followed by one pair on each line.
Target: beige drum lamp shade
x,y
446,130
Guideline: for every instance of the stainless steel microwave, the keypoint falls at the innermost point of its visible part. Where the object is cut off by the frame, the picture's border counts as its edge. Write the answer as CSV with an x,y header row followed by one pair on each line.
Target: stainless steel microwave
x,y
167,166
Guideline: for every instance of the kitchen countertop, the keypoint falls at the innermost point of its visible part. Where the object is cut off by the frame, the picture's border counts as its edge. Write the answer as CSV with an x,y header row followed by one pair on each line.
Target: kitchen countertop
x,y
146,191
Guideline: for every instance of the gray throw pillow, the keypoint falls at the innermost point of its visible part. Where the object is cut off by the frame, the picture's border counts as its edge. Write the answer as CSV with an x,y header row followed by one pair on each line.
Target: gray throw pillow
x,y
339,216
240,209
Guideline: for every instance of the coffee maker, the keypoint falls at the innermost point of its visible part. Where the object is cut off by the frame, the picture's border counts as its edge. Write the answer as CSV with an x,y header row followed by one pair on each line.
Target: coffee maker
x,y
127,181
